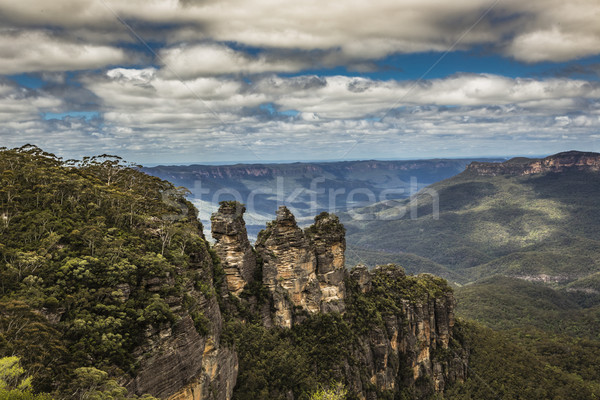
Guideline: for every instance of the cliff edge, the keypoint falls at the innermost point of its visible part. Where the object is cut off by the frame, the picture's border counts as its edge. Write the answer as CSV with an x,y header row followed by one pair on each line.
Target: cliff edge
x,y
569,160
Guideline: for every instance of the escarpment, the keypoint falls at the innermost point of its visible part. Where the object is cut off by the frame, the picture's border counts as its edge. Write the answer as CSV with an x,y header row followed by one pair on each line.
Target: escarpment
x,y
111,280
569,160
409,345
327,236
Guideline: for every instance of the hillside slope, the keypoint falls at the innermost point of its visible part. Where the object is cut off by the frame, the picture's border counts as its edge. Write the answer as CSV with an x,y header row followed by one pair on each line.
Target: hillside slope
x,y
106,274
517,218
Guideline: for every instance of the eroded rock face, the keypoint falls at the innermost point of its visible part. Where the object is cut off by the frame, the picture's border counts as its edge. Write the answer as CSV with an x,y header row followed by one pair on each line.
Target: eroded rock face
x,y
406,346
289,268
229,231
177,362
303,271
414,339
180,364
328,238
525,166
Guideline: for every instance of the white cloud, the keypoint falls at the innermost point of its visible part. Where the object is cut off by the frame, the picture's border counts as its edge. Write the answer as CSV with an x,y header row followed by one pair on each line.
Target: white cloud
x,y
210,59
349,97
30,51
22,106
148,117
151,116
553,45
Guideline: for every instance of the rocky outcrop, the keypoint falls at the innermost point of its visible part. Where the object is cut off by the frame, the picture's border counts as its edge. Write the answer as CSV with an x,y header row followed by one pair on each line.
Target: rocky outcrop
x,y
186,360
410,345
180,364
231,244
302,272
570,160
327,237
404,342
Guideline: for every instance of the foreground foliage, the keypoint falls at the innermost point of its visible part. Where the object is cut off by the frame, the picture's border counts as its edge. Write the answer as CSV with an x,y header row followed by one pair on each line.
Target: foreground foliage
x,y
80,242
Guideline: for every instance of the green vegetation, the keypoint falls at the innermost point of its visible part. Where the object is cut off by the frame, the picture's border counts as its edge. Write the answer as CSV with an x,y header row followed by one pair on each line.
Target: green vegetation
x,y
94,253
526,366
503,303
542,229
335,391
12,375
489,225
324,347
413,263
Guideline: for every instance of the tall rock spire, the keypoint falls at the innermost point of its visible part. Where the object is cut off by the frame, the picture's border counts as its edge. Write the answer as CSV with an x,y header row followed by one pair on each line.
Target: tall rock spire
x,y
328,238
235,251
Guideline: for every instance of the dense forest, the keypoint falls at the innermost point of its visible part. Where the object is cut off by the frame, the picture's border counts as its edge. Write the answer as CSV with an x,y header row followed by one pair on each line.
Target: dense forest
x,y
78,237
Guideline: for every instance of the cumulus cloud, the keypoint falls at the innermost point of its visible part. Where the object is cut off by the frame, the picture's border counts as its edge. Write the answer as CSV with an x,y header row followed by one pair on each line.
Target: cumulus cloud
x,y
213,89
553,45
211,59
147,116
18,104
22,121
30,51
351,97
152,115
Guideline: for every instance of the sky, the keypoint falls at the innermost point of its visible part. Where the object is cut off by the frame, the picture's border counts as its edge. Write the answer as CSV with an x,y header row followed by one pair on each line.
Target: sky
x,y
192,81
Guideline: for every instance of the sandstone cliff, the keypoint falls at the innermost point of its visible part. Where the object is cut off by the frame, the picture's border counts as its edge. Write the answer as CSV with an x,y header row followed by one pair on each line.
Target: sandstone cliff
x,y
400,326
303,270
404,324
525,166
186,360
232,245
410,346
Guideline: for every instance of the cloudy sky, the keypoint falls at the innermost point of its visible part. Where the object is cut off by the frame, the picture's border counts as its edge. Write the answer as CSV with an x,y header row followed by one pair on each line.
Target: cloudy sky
x,y
258,80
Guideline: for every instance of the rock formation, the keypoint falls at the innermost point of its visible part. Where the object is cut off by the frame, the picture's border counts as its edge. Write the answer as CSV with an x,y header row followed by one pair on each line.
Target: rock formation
x,y
526,166
303,271
232,245
412,343
177,362
328,239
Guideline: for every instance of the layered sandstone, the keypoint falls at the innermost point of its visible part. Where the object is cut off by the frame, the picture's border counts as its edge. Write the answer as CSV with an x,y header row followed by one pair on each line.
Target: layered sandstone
x,y
232,246
303,271
178,361
411,343
570,160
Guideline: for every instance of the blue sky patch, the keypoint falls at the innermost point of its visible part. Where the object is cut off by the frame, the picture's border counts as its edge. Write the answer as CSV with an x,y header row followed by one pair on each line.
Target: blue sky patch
x,y
87,115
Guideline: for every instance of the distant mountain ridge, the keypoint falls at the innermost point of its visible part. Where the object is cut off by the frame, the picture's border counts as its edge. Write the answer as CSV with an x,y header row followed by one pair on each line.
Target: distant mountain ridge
x,y
306,188
584,161
337,169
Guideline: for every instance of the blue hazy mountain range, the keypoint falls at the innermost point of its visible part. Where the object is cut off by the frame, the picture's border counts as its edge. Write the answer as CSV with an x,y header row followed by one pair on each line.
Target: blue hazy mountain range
x,y
305,187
